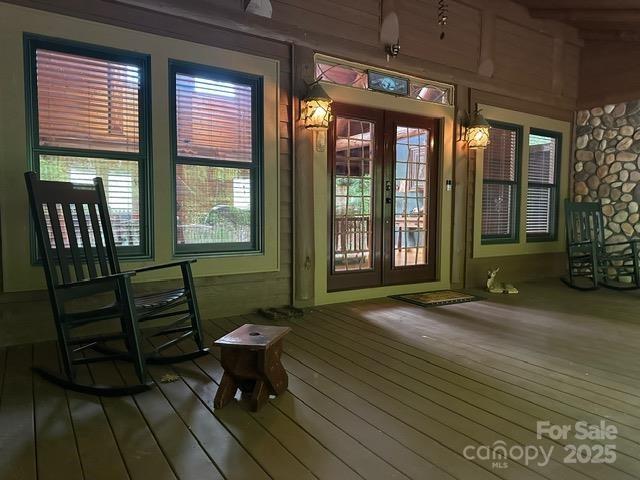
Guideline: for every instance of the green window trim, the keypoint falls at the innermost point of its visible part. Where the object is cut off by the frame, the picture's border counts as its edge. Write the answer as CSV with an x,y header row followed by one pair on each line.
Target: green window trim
x,y
255,167
516,188
555,188
143,157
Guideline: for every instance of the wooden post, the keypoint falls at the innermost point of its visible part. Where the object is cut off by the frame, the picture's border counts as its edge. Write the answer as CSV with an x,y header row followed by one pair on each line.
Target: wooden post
x,y
460,167
304,192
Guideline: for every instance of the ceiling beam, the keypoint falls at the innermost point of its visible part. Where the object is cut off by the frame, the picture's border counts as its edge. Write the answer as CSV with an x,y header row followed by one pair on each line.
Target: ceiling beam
x,y
629,15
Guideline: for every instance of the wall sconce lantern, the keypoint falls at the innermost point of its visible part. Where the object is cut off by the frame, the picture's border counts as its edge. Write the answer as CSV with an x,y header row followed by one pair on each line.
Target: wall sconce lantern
x,y
316,108
316,114
476,130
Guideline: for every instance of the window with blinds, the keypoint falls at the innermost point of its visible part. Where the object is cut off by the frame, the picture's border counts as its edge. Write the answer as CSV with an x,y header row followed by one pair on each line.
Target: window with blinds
x,y
542,192
217,154
500,184
88,111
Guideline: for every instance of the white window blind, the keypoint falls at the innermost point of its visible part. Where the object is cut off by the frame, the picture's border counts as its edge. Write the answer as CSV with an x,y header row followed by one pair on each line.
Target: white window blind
x,y
213,119
500,184
542,186
87,103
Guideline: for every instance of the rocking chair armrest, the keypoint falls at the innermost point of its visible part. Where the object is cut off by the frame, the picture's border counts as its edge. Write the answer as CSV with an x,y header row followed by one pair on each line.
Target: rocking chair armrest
x,y
159,266
96,281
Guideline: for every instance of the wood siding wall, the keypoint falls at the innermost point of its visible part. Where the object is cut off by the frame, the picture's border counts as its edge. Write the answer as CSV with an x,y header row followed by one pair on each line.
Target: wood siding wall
x,y
491,45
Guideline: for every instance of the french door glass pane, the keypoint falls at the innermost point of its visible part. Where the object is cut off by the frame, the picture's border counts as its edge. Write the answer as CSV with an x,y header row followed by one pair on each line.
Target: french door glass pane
x,y
121,184
353,197
213,205
412,197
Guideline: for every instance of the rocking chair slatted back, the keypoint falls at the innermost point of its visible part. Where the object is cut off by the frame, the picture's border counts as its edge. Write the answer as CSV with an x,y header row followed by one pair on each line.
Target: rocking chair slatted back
x,y
591,258
73,230
80,261
584,222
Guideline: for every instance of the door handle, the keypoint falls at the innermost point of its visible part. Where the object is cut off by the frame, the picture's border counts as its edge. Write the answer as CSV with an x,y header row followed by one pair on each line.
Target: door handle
x,y
387,188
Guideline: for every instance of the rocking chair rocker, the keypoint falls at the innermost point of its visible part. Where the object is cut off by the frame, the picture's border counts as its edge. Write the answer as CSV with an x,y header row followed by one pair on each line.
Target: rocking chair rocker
x,y
590,257
79,257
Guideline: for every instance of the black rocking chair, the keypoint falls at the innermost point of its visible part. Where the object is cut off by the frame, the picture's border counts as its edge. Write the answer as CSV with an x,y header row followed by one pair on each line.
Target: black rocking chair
x,y
79,257
593,259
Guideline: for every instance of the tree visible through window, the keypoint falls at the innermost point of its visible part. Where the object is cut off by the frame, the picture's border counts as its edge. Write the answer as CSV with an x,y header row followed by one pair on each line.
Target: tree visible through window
x,y
217,131
88,119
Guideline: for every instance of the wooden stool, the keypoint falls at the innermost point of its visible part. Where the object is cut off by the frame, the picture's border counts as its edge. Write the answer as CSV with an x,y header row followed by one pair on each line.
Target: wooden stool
x,y
251,362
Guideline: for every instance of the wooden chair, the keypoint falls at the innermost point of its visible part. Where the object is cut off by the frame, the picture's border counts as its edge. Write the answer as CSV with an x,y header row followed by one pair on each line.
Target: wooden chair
x,y
79,257
590,257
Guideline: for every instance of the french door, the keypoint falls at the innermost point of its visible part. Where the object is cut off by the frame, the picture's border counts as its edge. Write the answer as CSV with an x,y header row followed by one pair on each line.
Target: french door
x,y
383,169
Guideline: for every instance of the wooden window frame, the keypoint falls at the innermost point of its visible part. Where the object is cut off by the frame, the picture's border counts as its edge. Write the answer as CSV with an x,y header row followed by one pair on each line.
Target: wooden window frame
x,y
554,187
515,184
255,167
143,157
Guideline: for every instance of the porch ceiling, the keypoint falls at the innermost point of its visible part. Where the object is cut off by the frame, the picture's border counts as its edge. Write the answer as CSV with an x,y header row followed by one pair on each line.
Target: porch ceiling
x,y
602,20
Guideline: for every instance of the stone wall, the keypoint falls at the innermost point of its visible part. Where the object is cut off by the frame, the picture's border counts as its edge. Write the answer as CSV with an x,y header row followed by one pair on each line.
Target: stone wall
x,y
607,166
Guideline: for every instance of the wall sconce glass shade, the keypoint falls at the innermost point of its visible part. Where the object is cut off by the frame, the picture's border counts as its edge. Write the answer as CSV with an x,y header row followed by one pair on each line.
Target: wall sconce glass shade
x,y
316,108
477,135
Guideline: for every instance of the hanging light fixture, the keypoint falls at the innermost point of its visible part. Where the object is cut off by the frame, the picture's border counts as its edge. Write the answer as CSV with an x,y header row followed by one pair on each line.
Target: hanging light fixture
x,y
316,108
477,131
443,16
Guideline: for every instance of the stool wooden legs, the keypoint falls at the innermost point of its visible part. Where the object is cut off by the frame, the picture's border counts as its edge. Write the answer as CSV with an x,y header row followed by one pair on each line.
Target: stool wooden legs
x,y
271,368
259,396
226,391
257,371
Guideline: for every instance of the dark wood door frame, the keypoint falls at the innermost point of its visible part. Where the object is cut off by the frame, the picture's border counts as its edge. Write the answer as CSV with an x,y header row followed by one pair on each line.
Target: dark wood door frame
x,y
420,273
382,247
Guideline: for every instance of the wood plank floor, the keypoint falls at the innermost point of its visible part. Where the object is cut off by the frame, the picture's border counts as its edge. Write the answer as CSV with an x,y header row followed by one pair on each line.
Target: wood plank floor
x,y
377,390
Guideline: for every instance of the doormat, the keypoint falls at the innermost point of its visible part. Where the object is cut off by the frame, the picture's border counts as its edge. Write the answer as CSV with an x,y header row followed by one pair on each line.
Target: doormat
x,y
438,298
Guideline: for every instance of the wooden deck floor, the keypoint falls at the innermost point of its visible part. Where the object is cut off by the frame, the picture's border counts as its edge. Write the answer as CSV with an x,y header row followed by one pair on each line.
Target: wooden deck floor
x,y
378,390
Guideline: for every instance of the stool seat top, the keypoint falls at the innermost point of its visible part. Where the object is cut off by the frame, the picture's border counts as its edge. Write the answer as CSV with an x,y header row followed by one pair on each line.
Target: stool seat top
x,y
255,337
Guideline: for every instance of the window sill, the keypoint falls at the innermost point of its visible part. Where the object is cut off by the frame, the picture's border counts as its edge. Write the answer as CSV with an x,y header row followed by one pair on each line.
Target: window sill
x,y
509,249
541,239
499,241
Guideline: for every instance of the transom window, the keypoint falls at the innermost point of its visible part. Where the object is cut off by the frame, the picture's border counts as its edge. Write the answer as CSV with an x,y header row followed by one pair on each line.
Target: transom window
x,y
88,110
500,184
217,131
332,70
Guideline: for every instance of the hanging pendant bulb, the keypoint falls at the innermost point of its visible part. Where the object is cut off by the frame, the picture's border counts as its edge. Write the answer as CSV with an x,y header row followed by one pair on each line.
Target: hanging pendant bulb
x,y
389,28
443,16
